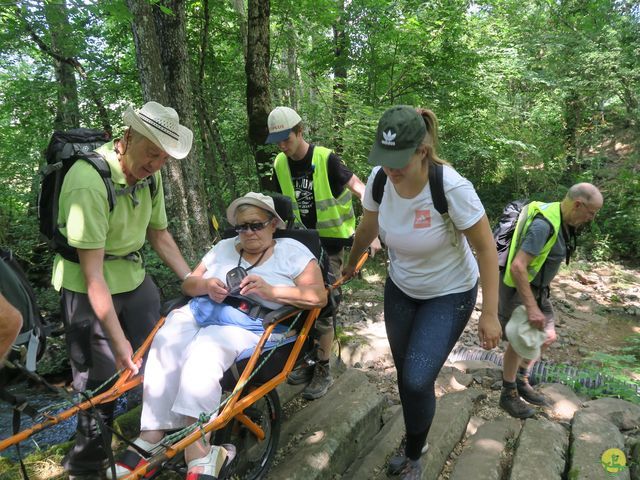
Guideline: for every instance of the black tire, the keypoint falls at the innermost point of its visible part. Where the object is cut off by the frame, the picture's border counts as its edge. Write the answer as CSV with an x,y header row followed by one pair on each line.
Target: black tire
x,y
253,457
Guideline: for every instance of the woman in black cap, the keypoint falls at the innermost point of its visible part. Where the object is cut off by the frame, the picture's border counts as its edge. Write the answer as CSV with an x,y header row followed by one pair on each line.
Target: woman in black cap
x,y
432,284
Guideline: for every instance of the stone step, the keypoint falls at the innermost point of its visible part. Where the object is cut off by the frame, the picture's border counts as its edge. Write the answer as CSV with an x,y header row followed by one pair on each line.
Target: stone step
x,y
372,459
453,412
482,454
548,462
328,434
591,436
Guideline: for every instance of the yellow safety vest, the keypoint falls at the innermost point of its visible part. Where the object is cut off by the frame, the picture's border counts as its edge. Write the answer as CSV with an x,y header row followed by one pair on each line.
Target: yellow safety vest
x,y
550,211
335,217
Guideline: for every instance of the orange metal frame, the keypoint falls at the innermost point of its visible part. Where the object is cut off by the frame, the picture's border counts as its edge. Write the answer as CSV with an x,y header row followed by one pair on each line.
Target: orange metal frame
x,y
233,409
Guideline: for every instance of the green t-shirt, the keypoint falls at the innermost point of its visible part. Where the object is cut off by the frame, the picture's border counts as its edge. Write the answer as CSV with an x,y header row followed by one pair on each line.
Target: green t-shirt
x,y
84,219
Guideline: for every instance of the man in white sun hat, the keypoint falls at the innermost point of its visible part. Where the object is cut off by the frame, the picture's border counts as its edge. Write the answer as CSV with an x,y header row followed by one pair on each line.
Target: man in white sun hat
x,y
544,237
320,186
109,304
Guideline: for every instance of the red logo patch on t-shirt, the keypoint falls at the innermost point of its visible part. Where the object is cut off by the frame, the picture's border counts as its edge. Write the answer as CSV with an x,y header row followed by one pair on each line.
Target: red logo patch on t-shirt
x,y
423,219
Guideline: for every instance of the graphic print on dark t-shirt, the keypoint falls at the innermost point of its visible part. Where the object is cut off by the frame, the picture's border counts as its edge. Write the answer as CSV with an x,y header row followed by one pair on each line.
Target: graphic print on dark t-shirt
x,y
303,187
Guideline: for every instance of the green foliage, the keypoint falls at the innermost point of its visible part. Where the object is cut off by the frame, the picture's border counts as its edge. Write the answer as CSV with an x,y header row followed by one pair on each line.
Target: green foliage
x,y
614,372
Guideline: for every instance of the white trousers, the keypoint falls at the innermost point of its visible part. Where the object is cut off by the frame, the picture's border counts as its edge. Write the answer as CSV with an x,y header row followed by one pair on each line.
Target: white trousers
x,y
184,368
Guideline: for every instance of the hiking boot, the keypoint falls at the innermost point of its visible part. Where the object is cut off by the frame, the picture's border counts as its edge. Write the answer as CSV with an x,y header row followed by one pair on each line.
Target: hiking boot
x,y
210,466
528,393
320,382
300,375
412,470
513,404
398,462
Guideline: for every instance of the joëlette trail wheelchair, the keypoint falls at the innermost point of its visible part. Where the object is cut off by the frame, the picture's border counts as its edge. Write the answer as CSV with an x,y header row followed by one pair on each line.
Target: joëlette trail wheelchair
x,y
249,416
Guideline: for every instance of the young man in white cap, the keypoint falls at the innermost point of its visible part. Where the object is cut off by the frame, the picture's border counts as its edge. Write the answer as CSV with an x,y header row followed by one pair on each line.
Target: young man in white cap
x,y
543,239
320,186
109,304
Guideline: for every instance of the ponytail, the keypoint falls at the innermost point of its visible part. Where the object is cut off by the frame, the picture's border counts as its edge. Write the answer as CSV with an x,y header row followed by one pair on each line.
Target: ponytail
x,y
431,138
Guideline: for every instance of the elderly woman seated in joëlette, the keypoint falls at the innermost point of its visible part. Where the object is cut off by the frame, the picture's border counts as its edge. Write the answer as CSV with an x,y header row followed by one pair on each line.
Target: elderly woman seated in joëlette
x,y
201,340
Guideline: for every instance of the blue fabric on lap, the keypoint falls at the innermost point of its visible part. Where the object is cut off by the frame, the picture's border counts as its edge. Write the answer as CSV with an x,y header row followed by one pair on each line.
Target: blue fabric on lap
x,y
208,312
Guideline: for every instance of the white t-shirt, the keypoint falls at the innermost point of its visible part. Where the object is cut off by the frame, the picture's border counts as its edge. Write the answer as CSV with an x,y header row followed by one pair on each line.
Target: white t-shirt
x,y
423,262
288,261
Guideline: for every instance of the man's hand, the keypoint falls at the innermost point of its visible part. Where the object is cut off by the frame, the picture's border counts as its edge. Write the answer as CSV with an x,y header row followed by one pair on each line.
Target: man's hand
x,y
122,353
536,317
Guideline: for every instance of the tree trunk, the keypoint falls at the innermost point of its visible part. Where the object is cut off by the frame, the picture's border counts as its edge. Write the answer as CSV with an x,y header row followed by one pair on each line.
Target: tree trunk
x,y
164,77
258,100
209,133
67,112
148,57
340,76
238,6
292,65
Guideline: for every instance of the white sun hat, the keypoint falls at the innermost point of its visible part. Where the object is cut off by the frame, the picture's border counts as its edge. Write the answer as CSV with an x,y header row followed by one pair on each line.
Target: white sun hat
x,y
160,125
257,200
525,339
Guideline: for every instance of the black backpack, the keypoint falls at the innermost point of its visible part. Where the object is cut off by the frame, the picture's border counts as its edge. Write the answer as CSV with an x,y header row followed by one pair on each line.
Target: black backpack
x,y
30,343
506,226
63,150
436,185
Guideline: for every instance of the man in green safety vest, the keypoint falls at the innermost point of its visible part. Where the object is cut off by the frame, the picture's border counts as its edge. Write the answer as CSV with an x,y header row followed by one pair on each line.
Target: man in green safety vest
x,y
320,186
543,238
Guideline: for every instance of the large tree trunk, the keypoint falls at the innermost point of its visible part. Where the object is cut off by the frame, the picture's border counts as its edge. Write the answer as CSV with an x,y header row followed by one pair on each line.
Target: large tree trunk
x,y
340,76
67,113
148,57
239,7
258,100
209,132
164,76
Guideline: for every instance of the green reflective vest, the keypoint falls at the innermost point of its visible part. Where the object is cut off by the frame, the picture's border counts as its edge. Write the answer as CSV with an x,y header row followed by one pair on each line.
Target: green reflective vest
x,y
550,211
335,217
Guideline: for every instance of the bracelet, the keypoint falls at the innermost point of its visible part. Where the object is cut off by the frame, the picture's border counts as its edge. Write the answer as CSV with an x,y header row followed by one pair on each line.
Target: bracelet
x,y
187,275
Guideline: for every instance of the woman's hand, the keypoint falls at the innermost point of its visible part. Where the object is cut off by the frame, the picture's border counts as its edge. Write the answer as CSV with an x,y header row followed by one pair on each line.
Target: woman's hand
x,y
255,285
489,331
217,290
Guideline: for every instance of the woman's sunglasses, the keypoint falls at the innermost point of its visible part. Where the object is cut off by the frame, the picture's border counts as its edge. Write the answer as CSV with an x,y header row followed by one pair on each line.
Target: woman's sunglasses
x,y
254,227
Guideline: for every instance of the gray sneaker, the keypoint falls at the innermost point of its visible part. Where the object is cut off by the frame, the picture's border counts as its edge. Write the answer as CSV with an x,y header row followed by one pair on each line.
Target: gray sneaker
x,y
412,470
320,382
398,462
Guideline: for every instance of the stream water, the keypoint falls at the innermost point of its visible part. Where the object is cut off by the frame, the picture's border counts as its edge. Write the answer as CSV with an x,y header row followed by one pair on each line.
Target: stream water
x,y
55,434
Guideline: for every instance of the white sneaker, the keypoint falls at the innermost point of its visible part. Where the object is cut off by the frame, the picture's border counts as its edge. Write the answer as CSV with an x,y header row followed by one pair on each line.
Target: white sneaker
x,y
212,463
129,460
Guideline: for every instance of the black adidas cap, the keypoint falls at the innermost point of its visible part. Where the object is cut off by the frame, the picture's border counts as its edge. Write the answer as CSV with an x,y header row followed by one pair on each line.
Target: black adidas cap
x,y
400,130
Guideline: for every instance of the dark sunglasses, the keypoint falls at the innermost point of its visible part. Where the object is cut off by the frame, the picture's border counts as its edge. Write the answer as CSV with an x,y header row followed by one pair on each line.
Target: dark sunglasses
x,y
254,227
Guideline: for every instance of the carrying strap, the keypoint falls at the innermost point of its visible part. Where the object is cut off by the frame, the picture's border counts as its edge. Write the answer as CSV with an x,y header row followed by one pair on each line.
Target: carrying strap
x,y
436,185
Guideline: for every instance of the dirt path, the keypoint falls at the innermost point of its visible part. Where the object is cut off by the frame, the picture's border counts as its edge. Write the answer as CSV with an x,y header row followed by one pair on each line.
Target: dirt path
x,y
597,306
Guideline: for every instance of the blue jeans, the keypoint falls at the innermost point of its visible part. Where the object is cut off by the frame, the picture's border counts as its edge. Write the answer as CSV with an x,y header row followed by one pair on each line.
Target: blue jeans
x,y
421,335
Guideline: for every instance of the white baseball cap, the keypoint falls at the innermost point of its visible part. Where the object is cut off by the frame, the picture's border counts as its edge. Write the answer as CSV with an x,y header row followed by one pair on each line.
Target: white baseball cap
x,y
281,121
525,339
161,126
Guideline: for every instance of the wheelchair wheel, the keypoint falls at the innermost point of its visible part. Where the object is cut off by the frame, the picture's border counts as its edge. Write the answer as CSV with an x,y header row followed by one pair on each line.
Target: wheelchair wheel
x,y
254,457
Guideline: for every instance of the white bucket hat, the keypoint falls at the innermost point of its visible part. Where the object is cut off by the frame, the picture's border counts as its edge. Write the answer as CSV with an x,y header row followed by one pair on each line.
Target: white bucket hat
x,y
160,125
257,200
281,120
525,339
